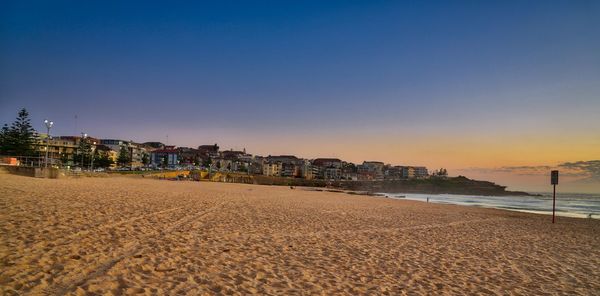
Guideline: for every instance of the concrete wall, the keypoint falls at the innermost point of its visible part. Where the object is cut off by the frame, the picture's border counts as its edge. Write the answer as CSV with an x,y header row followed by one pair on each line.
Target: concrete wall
x,y
33,172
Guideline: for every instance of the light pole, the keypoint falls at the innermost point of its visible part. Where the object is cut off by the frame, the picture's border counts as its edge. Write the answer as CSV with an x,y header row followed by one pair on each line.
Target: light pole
x,y
92,162
131,155
81,143
49,125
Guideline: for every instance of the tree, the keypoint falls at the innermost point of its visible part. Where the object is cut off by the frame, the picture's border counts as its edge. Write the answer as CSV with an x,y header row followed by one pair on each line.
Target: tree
x,y
441,173
103,161
64,159
207,162
145,159
124,158
18,139
83,156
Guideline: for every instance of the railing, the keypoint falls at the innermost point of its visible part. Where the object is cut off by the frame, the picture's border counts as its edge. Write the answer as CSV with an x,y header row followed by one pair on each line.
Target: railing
x,y
28,161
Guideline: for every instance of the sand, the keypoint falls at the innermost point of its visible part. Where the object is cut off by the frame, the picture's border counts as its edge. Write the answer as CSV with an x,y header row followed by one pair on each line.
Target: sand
x,y
113,236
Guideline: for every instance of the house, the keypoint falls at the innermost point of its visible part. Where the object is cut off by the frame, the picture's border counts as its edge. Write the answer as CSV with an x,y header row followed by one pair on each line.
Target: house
x,y
166,157
371,170
153,145
209,151
393,172
137,152
255,166
231,161
420,172
189,156
326,168
105,151
349,171
407,172
282,166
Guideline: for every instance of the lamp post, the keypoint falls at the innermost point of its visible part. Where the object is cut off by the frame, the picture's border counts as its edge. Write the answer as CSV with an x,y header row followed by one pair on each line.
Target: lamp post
x,y
83,136
131,155
92,162
49,125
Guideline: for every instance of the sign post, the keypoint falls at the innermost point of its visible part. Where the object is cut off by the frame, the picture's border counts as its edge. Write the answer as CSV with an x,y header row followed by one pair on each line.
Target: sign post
x,y
554,182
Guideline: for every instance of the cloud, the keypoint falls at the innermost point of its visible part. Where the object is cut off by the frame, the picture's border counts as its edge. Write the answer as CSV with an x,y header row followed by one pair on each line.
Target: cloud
x,y
586,170
589,169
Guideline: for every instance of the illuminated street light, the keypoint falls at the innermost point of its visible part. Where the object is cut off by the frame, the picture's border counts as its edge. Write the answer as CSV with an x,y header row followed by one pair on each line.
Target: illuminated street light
x,y
92,162
49,125
83,136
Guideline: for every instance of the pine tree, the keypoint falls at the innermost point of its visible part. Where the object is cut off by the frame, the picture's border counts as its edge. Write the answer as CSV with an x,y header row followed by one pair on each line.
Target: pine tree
x,y
83,153
124,158
18,139
145,159
103,161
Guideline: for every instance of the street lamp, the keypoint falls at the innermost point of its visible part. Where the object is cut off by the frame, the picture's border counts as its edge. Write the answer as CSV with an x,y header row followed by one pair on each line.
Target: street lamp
x,y
83,136
92,163
49,125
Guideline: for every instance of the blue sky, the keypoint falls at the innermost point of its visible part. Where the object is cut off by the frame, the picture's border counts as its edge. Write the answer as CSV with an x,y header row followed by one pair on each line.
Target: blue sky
x,y
273,76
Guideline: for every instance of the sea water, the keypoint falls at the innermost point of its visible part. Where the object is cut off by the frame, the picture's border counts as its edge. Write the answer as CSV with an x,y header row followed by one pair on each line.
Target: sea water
x,y
567,204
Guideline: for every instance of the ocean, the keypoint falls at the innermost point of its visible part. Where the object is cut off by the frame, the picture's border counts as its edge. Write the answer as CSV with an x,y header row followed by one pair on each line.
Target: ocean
x,y
577,205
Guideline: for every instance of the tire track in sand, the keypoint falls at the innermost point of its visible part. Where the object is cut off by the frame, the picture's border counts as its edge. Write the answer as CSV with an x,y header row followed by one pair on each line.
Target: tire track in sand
x,y
41,247
71,284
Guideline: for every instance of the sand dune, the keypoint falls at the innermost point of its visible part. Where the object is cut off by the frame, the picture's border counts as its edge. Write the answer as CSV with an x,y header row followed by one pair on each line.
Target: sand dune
x,y
139,236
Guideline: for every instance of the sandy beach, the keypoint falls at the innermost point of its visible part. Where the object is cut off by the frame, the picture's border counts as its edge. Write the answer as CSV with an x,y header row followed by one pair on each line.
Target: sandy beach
x,y
121,235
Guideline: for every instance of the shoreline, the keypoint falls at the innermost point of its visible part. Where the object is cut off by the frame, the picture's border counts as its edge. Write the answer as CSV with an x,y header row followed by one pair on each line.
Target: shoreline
x,y
559,212
476,201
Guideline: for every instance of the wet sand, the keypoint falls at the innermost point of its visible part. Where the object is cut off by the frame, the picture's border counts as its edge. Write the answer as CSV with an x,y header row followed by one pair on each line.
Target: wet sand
x,y
140,236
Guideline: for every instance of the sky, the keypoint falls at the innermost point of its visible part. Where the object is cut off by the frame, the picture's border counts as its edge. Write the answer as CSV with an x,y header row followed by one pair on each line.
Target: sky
x,y
493,90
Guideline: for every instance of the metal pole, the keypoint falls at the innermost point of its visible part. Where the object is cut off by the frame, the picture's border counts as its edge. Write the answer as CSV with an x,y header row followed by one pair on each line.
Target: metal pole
x,y
47,144
83,136
93,151
82,156
92,161
553,202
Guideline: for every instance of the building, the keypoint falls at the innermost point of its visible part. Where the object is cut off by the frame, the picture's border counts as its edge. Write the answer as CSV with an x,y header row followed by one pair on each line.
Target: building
x,y
231,161
371,170
282,166
255,165
349,171
209,151
420,172
188,156
407,172
61,150
66,150
154,145
326,168
105,151
166,157
137,152
272,169
393,172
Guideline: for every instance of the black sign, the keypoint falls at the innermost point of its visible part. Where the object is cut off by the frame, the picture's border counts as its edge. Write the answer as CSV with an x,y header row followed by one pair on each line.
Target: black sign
x,y
554,178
